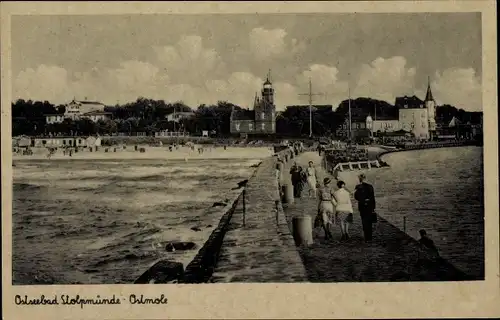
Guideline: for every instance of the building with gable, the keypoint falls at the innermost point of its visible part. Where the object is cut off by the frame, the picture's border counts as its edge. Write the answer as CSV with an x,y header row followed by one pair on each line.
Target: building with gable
x,y
415,117
260,120
76,110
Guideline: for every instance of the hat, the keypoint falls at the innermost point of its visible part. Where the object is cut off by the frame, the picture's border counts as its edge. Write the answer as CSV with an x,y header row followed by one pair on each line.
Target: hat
x,y
326,180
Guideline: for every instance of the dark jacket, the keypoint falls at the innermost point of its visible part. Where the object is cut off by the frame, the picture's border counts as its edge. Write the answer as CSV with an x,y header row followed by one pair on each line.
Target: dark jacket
x,y
365,195
295,175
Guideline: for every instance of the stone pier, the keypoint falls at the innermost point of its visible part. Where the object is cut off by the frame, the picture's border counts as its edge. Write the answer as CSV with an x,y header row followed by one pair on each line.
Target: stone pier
x,y
259,246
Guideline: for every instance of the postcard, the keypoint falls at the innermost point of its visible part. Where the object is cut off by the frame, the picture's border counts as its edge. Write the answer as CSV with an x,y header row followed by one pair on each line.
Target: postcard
x,y
249,160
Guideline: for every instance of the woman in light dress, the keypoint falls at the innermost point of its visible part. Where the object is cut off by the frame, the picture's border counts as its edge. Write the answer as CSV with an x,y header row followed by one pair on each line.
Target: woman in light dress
x,y
311,179
326,207
344,211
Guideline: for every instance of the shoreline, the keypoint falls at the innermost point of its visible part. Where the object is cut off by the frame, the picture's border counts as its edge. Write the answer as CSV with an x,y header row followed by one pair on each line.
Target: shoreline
x,y
152,153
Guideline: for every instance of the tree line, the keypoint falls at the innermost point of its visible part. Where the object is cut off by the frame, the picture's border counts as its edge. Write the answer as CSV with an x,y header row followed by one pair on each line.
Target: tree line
x,y
148,116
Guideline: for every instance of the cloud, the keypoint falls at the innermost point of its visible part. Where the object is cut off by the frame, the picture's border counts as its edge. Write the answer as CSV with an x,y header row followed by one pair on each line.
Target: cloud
x,y
385,79
189,61
458,87
270,43
325,82
43,83
189,72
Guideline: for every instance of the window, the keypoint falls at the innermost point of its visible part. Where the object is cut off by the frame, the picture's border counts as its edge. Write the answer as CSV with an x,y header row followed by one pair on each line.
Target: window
x,y
262,115
263,126
344,126
44,142
64,142
237,127
250,127
79,141
273,125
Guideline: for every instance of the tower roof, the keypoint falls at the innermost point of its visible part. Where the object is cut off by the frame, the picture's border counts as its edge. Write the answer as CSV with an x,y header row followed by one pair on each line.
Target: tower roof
x,y
268,79
428,95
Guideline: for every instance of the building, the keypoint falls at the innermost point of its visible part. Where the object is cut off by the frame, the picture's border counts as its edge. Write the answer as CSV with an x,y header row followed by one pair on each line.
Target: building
x,y
178,116
97,115
65,141
260,120
76,110
359,126
414,116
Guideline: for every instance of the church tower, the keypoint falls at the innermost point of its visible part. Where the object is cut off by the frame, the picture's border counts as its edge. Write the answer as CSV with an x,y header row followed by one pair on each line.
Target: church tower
x,y
268,91
430,105
265,110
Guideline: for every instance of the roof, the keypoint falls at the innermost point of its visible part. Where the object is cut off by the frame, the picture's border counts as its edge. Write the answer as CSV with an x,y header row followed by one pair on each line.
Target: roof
x,y
243,114
412,102
90,102
454,122
428,95
96,113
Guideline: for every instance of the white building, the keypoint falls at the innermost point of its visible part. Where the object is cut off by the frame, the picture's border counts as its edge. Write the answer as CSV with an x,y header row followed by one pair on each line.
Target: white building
x,y
177,116
416,121
97,115
414,116
61,142
76,110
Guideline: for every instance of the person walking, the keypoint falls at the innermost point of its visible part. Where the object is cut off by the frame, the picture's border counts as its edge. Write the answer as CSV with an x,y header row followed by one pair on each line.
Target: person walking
x,y
365,195
311,179
344,212
295,177
326,207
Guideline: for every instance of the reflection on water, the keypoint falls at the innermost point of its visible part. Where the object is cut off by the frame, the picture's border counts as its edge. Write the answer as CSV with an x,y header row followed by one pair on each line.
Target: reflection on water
x,y
101,221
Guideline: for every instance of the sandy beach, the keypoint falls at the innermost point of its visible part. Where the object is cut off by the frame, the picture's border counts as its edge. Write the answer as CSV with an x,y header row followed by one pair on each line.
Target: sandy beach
x,y
182,153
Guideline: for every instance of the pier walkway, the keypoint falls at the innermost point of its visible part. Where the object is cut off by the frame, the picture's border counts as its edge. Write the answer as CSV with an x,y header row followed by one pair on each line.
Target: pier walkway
x,y
391,256
259,247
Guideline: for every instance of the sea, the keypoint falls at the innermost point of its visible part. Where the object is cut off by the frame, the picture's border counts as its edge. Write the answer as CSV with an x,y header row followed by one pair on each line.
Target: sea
x,y
107,221
441,191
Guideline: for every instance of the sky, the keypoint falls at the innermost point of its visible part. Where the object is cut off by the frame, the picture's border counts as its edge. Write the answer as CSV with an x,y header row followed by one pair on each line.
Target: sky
x,y
205,58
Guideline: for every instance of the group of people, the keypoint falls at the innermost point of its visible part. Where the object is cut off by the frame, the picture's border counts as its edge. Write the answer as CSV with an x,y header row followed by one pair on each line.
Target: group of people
x,y
335,206
301,177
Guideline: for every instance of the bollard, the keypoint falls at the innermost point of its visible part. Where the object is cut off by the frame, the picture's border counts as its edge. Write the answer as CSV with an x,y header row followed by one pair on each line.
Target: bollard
x,y
302,230
288,193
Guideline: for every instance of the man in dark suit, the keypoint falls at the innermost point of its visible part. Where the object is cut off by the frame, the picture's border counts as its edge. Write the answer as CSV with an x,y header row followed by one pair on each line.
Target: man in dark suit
x,y
365,195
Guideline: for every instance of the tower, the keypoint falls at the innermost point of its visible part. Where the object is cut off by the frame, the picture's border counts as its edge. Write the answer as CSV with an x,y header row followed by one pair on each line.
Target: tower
x,y
268,91
430,105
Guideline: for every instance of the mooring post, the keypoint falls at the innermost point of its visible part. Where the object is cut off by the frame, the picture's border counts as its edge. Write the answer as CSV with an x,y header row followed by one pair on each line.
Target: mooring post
x,y
244,206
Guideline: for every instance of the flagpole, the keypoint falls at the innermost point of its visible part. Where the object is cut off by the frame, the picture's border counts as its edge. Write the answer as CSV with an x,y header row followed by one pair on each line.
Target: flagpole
x,y
350,119
310,108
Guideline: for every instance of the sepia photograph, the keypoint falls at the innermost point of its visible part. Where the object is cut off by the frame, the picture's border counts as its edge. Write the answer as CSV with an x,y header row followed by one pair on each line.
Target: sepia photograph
x,y
243,147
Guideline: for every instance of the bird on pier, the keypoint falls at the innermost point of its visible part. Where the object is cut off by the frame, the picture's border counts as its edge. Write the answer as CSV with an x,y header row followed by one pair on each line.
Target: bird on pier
x,y
241,184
